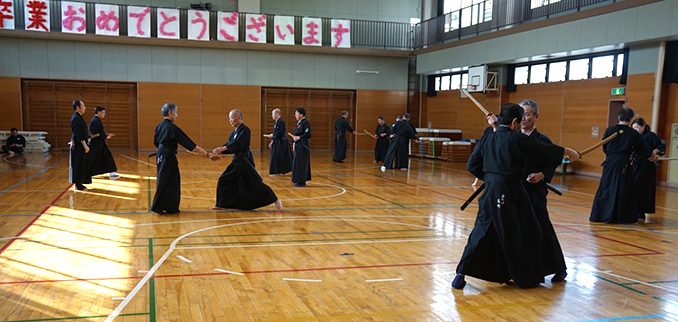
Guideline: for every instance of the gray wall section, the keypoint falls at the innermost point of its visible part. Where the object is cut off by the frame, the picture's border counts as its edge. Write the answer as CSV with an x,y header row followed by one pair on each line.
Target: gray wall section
x,y
56,59
378,10
640,28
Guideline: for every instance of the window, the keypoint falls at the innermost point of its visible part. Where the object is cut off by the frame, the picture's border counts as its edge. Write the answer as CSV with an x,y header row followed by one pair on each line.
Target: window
x,y
437,83
541,3
466,13
620,64
464,79
521,75
455,82
538,74
445,83
602,67
557,71
579,69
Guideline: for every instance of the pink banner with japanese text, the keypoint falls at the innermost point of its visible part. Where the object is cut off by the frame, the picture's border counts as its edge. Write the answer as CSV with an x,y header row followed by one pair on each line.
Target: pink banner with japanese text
x,y
73,17
341,33
36,15
198,25
107,20
227,26
168,23
255,28
7,14
284,30
139,22
312,32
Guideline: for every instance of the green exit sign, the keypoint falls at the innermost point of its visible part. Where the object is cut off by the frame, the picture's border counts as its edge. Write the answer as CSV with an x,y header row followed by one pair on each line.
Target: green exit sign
x,y
618,91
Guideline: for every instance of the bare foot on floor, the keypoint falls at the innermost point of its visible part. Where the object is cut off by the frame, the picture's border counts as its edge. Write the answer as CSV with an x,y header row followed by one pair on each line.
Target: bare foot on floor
x,y
217,208
278,205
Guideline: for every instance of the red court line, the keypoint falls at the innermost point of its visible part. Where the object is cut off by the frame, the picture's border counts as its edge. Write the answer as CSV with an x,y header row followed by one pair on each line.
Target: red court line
x,y
412,185
210,274
610,239
11,241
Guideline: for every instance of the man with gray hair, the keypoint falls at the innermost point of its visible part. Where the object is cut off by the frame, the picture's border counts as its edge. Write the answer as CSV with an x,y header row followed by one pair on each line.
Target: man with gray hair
x,y
167,138
240,186
340,128
538,175
281,154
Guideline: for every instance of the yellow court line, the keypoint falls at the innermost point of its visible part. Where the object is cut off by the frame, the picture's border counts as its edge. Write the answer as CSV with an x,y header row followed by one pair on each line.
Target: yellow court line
x,y
320,318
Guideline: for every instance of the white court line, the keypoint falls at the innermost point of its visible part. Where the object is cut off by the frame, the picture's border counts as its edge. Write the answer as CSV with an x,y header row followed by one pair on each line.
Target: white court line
x,y
228,272
639,282
385,280
320,244
301,280
142,272
79,231
184,259
137,160
173,246
117,298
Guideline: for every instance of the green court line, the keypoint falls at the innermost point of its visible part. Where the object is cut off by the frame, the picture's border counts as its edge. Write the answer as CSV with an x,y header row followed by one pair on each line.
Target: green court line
x,y
77,317
151,282
236,243
655,282
618,284
367,193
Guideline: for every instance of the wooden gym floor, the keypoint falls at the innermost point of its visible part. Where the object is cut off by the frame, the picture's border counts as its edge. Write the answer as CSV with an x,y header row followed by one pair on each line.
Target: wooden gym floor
x,y
355,245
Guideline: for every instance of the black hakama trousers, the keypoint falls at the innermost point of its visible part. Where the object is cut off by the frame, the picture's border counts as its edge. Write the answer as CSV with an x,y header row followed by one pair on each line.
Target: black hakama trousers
x,y
101,158
399,151
645,184
339,147
380,149
616,200
552,253
505,243
79,172
301,165
281,157
240,187
168,183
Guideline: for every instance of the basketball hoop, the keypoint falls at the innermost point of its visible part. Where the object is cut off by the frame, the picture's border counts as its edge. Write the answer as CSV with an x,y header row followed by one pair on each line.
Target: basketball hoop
x,y
469,87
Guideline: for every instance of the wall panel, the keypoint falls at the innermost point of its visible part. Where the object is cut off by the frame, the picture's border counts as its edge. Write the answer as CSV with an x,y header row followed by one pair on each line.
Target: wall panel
x,y
10,96
152,96
371,104
218,101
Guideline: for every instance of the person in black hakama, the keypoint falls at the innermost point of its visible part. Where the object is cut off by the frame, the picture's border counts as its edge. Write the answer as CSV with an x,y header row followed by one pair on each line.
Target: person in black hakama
x,y
340,128
167,138
506,241
301,164
101,159
79,159
15,143
492,120
281,154
645,170
399,147
382,132
535,185
240,186
616,200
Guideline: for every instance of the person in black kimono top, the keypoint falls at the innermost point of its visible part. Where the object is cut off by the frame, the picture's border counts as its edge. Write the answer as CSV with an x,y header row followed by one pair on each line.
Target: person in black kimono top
x,y
403,132
645,170
616,200
167,138
15,143
100,156
240,186
506,241
281,154
382,133
79,159
340,128
301,165
535,184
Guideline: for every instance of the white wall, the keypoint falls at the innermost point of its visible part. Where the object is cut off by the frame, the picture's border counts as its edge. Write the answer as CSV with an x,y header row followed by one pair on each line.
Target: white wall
x,y
55,59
